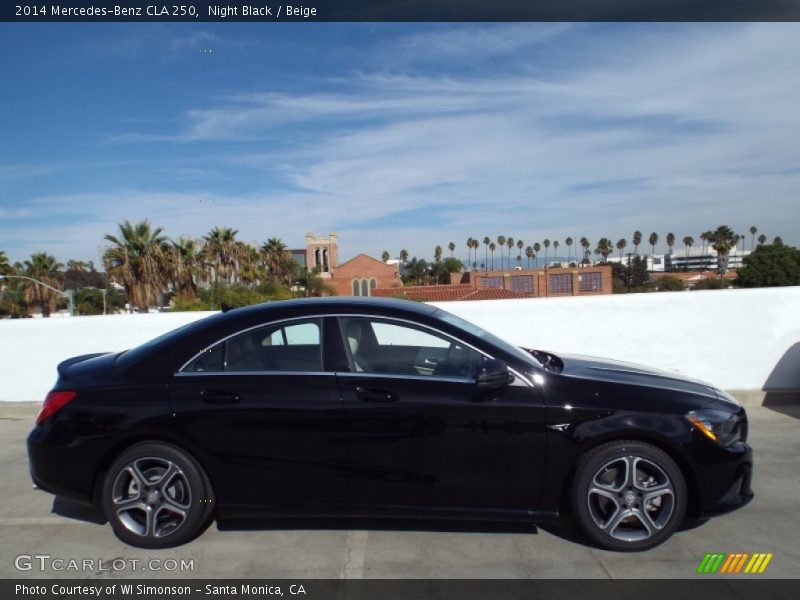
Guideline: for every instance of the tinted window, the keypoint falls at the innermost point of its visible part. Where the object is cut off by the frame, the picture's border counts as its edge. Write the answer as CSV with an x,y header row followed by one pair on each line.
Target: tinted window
x,y
211,360
293,346
284,347
379,346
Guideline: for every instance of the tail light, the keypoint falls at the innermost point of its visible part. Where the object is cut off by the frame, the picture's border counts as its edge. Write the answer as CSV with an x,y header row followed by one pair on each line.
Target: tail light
x,y
54,401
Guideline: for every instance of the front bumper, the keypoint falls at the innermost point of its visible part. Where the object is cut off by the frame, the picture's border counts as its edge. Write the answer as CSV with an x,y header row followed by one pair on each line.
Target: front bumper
x,y
724,478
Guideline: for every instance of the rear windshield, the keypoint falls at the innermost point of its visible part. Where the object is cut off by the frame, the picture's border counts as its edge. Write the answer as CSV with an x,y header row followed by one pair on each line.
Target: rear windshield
x,y
134,354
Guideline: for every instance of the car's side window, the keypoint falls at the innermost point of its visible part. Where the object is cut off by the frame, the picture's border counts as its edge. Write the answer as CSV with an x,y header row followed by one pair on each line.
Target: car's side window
x,y
292,346
376,345
289,346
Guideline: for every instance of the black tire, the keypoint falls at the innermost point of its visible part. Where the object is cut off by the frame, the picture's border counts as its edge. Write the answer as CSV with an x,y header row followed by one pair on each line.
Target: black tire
x,y
624,514
156,496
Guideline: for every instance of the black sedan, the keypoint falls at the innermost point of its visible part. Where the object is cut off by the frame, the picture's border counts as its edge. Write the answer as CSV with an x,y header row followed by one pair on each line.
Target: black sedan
x,y
368,408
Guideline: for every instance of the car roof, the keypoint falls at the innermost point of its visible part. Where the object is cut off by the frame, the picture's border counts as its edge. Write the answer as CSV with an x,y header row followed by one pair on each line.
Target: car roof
x,y
334,303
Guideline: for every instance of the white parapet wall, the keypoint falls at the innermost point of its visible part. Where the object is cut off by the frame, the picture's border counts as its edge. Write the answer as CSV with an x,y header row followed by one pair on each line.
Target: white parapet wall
x,y
734,339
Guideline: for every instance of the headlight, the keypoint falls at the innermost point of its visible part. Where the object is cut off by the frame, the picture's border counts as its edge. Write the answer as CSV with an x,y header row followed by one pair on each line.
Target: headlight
x,y
717,425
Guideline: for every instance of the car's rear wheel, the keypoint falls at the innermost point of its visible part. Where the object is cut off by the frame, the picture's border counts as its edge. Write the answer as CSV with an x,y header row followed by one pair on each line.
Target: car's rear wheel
x,y
156,496
628,495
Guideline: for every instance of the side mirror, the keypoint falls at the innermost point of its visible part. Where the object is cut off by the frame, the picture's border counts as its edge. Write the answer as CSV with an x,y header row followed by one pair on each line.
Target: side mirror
x,y
493,373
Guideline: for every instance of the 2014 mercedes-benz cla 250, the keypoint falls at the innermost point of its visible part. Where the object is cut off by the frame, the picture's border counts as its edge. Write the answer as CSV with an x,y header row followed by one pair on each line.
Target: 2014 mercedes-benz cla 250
x,y
365,407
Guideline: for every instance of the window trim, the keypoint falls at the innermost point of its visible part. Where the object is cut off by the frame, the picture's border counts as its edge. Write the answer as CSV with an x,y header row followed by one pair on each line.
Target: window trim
x,y
336,315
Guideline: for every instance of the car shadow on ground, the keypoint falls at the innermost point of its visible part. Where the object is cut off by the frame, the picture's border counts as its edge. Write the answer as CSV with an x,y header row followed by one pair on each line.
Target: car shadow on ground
x,y
782,387
64,507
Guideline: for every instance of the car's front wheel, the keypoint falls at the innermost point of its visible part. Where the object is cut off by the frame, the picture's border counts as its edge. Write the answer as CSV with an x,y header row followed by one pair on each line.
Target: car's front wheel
x,y
156,496
628,495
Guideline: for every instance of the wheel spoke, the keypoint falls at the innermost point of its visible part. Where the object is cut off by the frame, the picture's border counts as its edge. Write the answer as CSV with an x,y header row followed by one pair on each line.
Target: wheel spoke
x,y
645,520
615,520
605,492
630,470
164,480
127,504
666,490
150,522
174,506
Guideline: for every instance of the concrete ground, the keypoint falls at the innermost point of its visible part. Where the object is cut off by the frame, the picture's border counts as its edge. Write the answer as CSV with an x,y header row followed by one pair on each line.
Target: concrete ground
x,y
303,549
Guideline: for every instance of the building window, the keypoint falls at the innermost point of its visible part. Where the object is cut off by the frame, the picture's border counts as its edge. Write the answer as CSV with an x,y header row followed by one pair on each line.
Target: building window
x,y
491,282
356,288
591,282
522,283
364,287
561,283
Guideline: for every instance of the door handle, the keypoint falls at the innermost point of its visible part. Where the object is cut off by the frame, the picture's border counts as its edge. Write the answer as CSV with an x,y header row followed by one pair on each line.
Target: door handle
x,y
368,395
219,397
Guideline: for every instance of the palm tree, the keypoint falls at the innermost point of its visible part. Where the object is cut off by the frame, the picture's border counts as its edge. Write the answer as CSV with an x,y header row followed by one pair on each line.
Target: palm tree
x,y
5,266
520,244
452,247
437,254
46,269
222,253
469,249
185,260
546,246
777,240
137,261
501,241
568,242
653,241
385,256
723,240
486,242
555,248
621,246
510,244
529,254
688,241
604,248
492,248
670,241
537,247
403,256
475,245
761,239
278,261
584,242
251,268
753,232
637,239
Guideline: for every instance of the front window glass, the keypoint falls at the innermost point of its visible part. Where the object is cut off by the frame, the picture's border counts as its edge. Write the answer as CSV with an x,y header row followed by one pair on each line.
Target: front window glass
x,y
492,339
385,347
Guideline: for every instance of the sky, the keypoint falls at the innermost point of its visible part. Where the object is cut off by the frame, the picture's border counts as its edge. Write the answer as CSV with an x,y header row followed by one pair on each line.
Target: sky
x,y
396,135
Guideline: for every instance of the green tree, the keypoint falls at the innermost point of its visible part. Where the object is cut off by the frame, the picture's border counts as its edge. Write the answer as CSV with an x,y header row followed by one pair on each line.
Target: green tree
x,y
510,244
437,254
604,248
637,239
537,247
670,241
222,253
185,258
501,242
281,267
520,244
762,239
688,241
723,239
486,242
529,255
621,243
770,266
569,241
44,268
403,256
585,244
555,248
385,256
669,284
451,246
137,261
753,232
5,266
777,240
653,241
546,246
492,248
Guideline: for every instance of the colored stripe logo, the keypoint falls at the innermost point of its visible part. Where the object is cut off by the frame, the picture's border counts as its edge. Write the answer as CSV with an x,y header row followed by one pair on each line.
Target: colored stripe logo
x,y
735,563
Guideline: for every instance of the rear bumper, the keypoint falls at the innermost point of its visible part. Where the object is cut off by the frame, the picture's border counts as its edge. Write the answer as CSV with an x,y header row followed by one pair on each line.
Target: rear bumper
x,y
59,469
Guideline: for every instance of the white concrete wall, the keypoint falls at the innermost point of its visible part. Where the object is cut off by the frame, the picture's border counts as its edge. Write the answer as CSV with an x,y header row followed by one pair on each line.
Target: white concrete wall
x,y
735,339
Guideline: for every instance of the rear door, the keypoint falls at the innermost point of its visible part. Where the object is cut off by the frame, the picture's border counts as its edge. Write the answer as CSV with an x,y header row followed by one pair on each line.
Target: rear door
x,y
269,416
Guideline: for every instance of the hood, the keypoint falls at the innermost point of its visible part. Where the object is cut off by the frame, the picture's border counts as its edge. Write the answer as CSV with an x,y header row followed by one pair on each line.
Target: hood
x,y
614,371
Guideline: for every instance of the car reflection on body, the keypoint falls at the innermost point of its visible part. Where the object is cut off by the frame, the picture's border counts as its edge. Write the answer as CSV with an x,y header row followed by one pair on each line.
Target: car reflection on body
x,y
367,407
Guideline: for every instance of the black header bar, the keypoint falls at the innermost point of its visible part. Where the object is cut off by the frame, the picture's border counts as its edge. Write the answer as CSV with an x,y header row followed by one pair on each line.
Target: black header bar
x,y
399,10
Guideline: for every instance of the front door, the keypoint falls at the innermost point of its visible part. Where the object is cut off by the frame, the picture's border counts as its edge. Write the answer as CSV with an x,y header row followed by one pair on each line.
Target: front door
x,y
421,432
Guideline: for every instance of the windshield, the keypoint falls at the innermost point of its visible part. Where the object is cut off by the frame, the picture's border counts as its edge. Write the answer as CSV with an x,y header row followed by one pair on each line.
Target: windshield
x,y
447,317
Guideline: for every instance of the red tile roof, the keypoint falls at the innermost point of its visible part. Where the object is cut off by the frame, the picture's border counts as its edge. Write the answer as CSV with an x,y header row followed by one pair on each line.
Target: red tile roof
x,y
446,293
